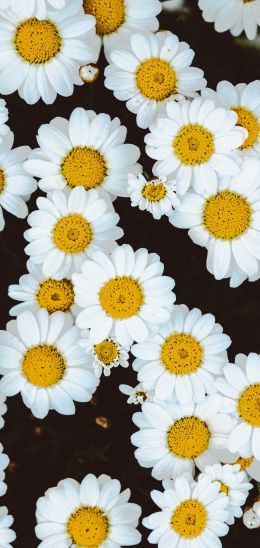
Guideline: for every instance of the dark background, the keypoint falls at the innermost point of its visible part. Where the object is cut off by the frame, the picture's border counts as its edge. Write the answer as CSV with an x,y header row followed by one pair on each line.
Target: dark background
x,y
44,452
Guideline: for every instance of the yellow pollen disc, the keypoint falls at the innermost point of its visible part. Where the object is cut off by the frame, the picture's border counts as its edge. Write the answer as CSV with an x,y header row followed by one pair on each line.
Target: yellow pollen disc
x,y
85,167
156,79
72,234
249,121
109,14
141,394
223,488
227,215
181,354
106,351
43,365
55,295
193,145
121,297
188,437
244,463
88,527
249,405
37,41
189,519
154,192
2,180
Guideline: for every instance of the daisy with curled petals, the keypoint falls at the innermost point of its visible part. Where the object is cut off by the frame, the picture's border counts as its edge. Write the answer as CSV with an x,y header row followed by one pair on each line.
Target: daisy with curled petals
x,y
4,129
37,7
67,227
192,514
233,15
157,196
87,150
136,394
3,409
92,513
155,69
196,143
173,438
40,58
183,357
4,461
105,355
125,294
7,535
40,357
225,220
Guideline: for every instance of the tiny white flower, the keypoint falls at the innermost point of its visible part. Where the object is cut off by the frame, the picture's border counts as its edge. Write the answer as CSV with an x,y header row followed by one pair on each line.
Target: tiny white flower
x,y
105,355
234,15
157,196
136,394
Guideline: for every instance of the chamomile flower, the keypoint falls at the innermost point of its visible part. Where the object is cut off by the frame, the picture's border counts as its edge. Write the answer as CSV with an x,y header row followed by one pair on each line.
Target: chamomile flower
x,y
3,409
157,196
35,291
195,142
125,294
4,461
116,20
173,438
40,357
94,512
7,535
67,227
4,129
136,394
89,150
192,514
183,358
155,69
26,7
105,355
233,15
225,220
249,464
40,58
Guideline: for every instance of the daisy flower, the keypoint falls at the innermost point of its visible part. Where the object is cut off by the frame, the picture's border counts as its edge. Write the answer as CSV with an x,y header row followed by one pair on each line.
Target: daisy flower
x,y
88,150
241,386
157,196
40,357
105,355
7,535
124,293
3,409
4,129
192,514
150,72
16,186
183,357
27,7
136,394
4,461
94,512
196,142
42,57
116,20
248,464
233,15
35,291
225,220
173,438
233,482
67,227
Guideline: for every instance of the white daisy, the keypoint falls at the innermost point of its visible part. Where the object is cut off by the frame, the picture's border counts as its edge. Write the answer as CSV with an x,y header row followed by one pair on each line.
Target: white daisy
x,y
157,196
88,150
7,535
105,355
16,186
40,357
150,72
3,409
27,7
124,293
35,291
67,227
42,57
191,515
4,461
136,394
225,220
174,438
4,129
241,386
92,513
233,15
183,357
116,20
196,142
249,464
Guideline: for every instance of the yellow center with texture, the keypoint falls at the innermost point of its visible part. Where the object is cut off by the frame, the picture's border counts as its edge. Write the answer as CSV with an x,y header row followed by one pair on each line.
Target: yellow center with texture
x,y
55,295
37,41
188,437
88,527
244,462
189,519
227,215
154,192
249,405
109,14
84,166
247,120
181,354
193,145
72,234
43,365
106,351
2,180
156,79
121,297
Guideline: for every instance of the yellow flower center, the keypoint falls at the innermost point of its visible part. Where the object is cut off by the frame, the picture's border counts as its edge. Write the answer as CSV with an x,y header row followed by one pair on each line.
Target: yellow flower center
x,y
156,79
88,527
189,519
106,351
249,121
181,354
227,215
85,167
55,295
37,41
2,180
121,297
109,14
193,145
153,191
249,405
188,437
223,488
43,365
244,463
72,234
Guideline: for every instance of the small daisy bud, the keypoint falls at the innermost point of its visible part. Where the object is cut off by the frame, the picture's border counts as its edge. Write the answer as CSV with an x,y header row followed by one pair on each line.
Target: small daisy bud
x,y
250,519
89,73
